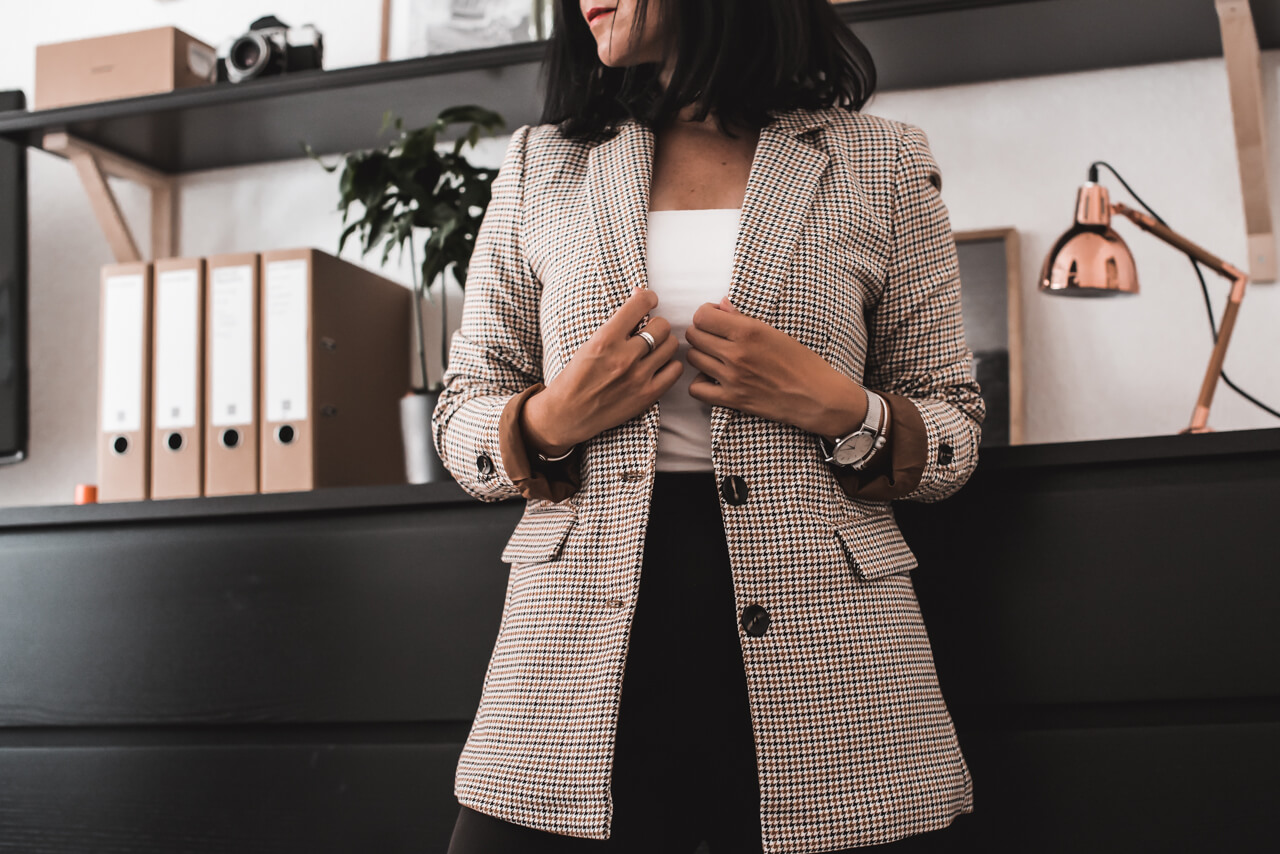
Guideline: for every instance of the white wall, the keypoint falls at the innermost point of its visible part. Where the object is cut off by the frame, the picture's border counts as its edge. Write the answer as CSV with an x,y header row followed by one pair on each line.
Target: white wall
x,y
1012,152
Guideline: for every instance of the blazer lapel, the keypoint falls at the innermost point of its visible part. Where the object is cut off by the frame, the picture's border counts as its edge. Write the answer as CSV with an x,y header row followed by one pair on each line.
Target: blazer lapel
x,y
781,186
618,177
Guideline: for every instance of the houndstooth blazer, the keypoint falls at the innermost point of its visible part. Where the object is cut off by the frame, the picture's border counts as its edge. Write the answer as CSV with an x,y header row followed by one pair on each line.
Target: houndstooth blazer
x,y
844,244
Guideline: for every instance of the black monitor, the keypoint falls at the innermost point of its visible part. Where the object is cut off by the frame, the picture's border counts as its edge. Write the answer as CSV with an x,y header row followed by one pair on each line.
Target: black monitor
x,y
14,423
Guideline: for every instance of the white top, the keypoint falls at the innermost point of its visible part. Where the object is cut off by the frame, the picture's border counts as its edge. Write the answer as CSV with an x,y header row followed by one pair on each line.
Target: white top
x,y
690,258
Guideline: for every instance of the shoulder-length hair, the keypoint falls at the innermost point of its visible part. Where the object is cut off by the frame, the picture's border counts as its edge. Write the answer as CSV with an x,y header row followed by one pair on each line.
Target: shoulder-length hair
x,y
742,59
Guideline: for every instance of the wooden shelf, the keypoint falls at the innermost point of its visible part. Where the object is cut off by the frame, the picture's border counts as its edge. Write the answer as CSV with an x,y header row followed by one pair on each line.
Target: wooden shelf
x,y
915,43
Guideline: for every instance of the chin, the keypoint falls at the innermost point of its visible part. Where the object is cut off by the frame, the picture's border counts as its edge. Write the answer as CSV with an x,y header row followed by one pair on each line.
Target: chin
x,y
614,61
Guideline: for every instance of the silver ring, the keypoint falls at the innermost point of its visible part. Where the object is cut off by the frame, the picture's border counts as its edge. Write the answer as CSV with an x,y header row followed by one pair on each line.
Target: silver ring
x,y
648,339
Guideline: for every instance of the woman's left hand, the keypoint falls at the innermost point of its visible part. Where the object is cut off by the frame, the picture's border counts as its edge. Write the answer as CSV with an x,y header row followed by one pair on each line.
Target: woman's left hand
x,y
748,365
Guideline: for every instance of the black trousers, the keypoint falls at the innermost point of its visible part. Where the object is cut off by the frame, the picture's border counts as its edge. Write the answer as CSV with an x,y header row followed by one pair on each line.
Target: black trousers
x,y
684,767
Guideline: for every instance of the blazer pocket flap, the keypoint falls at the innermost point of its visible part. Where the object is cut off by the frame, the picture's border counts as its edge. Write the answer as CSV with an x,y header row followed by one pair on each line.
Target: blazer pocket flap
x,y
874,545
540,534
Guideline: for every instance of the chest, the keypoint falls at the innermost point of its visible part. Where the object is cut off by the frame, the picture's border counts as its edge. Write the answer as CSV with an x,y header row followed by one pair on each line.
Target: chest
x,y
808,254
697,170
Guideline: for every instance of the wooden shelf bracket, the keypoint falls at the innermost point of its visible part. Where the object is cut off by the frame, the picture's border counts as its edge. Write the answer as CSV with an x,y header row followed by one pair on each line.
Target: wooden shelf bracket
x,y
1244,76
94,164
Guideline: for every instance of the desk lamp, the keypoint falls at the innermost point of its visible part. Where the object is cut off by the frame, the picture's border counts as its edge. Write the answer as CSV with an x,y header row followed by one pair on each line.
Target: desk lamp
x,y
1091,260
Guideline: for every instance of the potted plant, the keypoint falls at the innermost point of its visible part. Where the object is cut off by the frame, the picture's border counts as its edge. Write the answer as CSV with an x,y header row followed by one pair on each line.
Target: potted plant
x,y
389,197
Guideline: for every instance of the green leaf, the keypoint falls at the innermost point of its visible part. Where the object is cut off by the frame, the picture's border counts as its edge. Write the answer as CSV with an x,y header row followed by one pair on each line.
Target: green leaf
x,y
388,191
387,120
346,233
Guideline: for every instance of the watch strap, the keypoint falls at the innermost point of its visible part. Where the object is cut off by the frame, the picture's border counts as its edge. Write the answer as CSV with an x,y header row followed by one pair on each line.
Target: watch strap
x,y
874,424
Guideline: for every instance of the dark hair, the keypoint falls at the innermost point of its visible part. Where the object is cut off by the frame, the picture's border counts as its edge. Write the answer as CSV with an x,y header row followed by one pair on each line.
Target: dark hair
x,y
742,59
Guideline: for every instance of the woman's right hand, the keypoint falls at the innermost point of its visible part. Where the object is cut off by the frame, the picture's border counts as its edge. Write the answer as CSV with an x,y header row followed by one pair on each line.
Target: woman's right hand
x,y
610,379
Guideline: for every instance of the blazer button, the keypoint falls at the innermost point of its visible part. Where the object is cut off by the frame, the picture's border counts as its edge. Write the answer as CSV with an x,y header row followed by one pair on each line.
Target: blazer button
x,y
484,465
734,490
755,619
945,454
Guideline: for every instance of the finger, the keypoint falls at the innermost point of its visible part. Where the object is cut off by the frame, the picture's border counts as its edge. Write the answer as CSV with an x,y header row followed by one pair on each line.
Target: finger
x,y
704,389
650,363
630,313
709,365
665,378
709,318
712,345
659,328
725,305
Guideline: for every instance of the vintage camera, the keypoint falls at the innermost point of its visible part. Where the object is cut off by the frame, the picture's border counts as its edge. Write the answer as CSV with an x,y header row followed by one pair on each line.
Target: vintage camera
x,y
270,47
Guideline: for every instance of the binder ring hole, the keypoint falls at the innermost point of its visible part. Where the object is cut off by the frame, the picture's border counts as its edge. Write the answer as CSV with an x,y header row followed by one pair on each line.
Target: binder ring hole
x,y
120,444
285,434
174,441
230,438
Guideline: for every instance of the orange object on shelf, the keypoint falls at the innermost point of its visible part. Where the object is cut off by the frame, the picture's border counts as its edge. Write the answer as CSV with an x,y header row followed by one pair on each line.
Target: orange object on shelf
x,y
86,493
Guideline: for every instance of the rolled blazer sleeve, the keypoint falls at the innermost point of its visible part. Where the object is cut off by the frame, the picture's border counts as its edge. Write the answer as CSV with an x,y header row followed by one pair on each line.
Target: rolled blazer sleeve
x,y
918,357
495,358
895,469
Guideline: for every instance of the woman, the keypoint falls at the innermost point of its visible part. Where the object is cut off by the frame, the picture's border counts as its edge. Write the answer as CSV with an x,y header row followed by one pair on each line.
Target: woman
x,y
710,630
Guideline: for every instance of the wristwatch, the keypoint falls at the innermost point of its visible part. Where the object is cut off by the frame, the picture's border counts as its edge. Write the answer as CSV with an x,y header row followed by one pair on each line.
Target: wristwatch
x,y
855,450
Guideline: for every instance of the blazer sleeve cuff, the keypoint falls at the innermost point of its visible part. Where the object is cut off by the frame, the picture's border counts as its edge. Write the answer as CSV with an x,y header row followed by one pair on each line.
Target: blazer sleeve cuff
x,y
951,440
534,478
896,469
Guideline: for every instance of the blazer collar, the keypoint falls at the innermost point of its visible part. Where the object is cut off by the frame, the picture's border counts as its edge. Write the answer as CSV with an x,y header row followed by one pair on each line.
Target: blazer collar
x,y
781,186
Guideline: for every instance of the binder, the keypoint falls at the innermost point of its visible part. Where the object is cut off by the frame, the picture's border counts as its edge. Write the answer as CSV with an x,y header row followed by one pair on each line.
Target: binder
x,y
231,375
124,383
334,343
177,378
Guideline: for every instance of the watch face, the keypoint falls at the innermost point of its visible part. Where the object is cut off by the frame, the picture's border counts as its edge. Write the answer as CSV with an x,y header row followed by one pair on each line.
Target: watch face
x,y
854,449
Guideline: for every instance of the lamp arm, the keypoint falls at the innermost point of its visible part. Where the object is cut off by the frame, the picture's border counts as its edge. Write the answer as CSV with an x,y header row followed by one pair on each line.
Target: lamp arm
x,y
1200,415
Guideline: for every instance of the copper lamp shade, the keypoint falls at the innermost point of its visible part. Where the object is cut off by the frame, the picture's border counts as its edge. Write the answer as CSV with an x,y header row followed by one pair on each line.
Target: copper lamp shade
x,y
1090,259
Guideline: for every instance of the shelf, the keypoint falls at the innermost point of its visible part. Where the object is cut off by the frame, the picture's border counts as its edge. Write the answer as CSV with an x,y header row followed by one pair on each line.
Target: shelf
x,y
344,498
269,119
1142,449
915,43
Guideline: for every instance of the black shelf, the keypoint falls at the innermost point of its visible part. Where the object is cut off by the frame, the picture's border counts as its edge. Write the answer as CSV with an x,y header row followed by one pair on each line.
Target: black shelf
x,y
267,120
345,499
1078,456
916,44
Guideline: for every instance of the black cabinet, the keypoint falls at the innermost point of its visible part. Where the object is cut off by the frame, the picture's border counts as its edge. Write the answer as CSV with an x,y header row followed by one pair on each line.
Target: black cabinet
x,y
297,672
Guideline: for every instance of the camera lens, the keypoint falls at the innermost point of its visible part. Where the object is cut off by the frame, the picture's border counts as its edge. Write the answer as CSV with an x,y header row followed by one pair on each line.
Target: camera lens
x,y
245,53
250,56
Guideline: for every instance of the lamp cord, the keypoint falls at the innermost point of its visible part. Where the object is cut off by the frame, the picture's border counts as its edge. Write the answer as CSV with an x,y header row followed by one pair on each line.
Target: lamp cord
x,y
1195,265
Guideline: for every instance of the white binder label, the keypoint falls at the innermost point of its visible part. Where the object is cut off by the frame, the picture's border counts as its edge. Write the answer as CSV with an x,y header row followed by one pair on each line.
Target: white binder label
x,y
231,344
285,318
177,345
122,350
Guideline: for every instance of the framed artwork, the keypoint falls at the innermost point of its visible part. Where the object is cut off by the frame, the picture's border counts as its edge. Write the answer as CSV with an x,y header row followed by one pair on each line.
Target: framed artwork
x,y
413,28
991,300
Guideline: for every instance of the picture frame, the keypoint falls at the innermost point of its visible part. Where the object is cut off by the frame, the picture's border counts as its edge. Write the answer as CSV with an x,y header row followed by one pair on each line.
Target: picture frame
x,y
991,299
414,28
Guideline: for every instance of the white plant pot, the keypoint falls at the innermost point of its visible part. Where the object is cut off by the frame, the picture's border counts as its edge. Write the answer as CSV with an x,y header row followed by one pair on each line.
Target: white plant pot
x,y
421,462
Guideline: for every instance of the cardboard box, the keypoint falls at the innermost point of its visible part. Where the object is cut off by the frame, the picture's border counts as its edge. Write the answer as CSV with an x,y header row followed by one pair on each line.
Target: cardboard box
x,y
145,62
